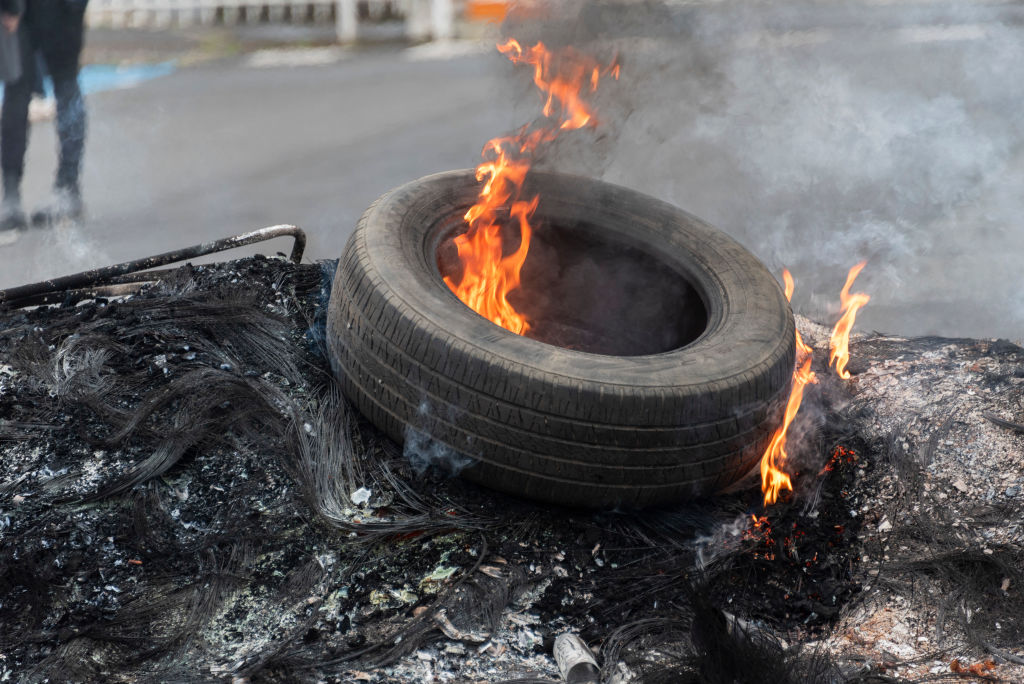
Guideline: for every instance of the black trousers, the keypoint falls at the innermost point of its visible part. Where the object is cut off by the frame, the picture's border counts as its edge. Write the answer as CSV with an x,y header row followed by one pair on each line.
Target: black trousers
x,y
54,30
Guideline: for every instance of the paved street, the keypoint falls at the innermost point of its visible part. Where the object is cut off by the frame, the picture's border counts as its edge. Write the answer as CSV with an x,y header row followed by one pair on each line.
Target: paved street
x,y
816,133
219,149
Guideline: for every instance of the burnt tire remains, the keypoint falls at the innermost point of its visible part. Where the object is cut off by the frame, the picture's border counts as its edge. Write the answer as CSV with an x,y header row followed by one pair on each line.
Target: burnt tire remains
x,y
549,422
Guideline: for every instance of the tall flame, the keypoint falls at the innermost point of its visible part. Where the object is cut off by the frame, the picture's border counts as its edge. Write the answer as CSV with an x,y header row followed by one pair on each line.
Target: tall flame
x,y
488,273
839,343
773,478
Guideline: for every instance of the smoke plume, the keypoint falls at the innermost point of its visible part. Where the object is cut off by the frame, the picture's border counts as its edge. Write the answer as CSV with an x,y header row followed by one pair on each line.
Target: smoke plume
x,y
819,135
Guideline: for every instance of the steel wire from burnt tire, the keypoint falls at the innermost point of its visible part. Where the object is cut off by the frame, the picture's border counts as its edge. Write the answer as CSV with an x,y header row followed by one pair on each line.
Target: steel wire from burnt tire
x,y
543,421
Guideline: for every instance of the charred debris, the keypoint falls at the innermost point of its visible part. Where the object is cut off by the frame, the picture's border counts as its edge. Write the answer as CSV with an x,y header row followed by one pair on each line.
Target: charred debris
x,y
185,497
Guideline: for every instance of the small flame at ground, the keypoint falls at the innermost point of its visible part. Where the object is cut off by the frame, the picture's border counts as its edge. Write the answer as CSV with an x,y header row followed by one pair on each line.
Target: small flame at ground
x,y
488,273
839,344
773,478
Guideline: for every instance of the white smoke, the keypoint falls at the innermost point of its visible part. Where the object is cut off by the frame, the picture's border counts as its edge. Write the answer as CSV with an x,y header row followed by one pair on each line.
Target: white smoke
x,y
817,139
424,452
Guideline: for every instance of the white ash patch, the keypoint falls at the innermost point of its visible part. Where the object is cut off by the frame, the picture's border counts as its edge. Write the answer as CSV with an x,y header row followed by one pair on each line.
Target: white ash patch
x,y
927,402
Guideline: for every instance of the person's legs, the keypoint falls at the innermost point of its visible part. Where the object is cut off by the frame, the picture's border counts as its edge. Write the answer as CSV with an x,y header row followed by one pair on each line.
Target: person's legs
x,y
14,127
70,128
58,31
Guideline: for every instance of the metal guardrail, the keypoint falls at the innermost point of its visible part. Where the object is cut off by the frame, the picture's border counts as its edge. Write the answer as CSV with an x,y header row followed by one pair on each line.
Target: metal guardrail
x,y
424,19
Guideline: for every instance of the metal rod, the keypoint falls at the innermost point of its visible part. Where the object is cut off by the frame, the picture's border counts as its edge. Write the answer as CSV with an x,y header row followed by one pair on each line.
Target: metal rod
x,y
100,276
75,296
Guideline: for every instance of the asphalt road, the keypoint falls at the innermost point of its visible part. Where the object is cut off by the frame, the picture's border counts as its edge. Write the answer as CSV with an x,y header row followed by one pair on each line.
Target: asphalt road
x,y
818,134
220,149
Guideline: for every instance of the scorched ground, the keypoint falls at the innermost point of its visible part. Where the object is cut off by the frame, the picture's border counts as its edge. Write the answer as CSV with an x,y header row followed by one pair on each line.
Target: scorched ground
x,y
184,496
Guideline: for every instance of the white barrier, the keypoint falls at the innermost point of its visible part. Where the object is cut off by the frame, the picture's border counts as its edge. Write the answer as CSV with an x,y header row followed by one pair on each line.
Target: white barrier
x,y
424,19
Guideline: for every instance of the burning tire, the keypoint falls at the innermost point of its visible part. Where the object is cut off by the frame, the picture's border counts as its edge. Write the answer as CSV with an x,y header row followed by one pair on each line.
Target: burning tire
x,y
662,354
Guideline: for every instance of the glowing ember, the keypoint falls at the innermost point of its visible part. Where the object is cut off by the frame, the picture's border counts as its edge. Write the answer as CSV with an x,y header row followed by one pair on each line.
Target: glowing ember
x,y
981,669
839,344
488,273
840,455
760,532
773,478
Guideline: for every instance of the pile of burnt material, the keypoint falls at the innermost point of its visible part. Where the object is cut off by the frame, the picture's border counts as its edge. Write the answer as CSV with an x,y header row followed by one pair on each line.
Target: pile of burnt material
x,y
184,495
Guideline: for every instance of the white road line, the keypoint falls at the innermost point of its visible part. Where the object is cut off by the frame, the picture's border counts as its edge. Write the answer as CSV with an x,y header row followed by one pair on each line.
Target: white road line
x,y
42,109
294,57
446,49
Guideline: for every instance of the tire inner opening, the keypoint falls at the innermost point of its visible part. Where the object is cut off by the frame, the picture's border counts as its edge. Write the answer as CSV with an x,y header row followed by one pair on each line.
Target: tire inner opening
x,y
582,290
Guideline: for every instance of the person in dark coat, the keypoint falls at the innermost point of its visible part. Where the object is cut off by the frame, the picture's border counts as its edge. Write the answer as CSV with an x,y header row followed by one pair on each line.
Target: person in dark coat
x,y
10,57
53,29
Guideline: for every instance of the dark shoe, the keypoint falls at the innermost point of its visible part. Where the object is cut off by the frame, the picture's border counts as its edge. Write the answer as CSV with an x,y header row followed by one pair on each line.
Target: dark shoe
x,y
11,216
65,206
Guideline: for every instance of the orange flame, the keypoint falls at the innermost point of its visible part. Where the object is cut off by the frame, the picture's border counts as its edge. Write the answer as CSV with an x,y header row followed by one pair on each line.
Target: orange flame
x,y
839,343
773,478
787,278
488,274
